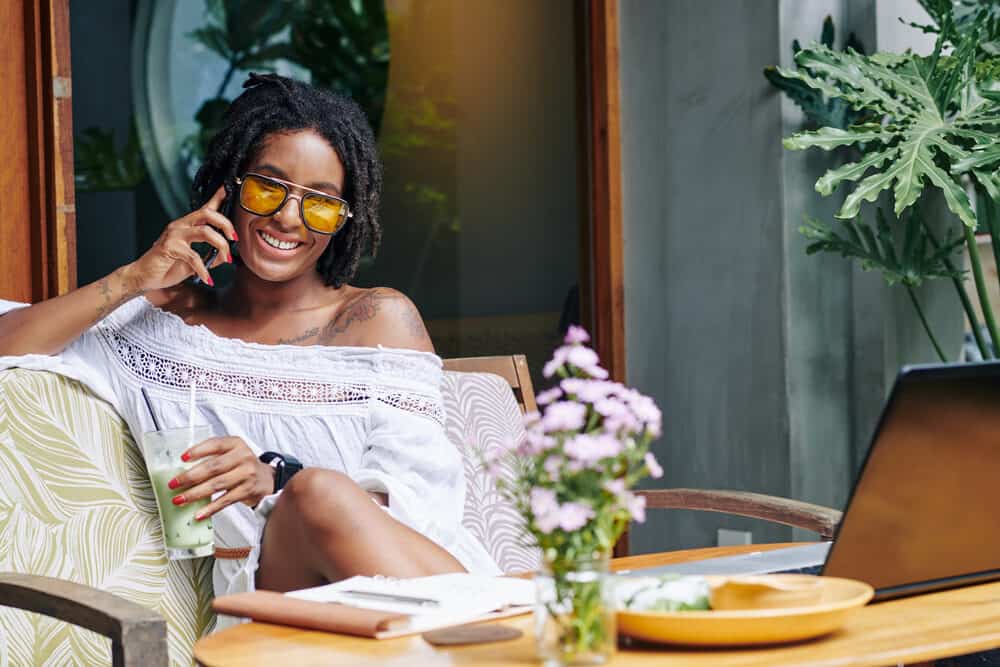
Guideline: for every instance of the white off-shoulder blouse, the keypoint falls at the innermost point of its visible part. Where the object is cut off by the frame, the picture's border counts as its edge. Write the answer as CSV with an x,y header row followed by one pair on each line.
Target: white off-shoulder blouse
x,y
374,414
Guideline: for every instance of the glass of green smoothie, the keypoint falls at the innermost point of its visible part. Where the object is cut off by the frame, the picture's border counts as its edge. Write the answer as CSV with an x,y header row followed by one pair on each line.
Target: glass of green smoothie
x,y
183,536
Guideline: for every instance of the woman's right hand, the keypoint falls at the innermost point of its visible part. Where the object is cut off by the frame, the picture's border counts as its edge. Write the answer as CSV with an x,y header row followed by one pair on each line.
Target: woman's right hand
x,y
172,259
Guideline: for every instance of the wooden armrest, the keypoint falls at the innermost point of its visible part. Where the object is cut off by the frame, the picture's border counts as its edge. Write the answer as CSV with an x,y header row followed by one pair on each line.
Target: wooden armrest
x,y
138,635
822,520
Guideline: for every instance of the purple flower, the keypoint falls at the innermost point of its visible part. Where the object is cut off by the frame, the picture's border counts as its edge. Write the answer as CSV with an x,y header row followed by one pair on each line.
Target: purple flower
x,y
543,501
636,506
597,372
535,440
564,416
592,448
545,509
646,411
547,522
574,515
581,357
609,407
621,421
655,471
557,360
548,396
576,334
615,487
590,391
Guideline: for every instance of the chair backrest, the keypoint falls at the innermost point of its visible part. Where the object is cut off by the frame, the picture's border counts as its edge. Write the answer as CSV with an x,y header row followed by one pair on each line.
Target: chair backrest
x,y
482,417
76,503
513,368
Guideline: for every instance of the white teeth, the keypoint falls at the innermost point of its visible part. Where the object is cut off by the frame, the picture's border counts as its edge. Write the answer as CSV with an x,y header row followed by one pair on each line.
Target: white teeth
x,y
281,245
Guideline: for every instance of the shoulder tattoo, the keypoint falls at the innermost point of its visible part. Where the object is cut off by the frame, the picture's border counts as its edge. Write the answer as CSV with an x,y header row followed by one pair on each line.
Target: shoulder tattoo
x,y
362,309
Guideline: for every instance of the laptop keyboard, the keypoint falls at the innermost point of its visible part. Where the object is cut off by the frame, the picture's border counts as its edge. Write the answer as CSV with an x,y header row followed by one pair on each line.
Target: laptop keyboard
x,y
812,569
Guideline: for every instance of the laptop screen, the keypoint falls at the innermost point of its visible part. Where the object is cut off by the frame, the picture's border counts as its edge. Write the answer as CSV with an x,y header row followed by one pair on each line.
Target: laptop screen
x,y
923,514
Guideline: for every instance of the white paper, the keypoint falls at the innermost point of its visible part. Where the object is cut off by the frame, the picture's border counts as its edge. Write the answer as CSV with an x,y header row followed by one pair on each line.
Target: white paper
x,y
460,596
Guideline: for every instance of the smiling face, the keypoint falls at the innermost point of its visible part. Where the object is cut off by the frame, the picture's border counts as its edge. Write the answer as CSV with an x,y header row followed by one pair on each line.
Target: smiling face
x,y
278,247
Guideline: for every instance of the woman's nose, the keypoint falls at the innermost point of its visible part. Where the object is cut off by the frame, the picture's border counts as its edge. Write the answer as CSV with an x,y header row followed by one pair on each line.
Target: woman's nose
x,y
289,218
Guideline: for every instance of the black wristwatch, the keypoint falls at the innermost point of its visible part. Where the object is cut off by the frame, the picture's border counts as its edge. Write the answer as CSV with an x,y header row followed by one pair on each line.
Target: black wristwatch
x,y
285,467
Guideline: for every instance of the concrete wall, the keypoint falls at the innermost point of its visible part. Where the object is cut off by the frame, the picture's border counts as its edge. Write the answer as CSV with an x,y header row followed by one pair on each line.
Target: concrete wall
x,y
771,366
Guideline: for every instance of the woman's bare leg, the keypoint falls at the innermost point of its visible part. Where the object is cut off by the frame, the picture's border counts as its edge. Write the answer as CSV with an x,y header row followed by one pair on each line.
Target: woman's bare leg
x,y
325,527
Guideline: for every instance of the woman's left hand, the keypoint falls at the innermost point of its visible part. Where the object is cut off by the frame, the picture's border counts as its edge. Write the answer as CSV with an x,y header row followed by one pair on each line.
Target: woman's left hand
x,y
233,468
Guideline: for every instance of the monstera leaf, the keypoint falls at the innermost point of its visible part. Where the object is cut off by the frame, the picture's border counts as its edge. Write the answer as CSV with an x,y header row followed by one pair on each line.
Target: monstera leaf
x,y
935,117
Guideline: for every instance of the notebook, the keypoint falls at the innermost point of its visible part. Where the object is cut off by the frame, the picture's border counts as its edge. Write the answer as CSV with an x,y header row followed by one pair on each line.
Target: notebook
x,y
385,607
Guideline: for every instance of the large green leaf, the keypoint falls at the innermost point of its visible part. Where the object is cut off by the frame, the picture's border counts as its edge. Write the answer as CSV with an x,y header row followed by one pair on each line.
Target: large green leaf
x,y
931,112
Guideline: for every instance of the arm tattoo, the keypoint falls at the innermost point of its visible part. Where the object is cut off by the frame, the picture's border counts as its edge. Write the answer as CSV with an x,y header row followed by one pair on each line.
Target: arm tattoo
x,y
109,302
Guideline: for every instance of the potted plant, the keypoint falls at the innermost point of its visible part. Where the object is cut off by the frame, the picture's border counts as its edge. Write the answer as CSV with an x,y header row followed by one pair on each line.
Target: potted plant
x,y
572,481
920,121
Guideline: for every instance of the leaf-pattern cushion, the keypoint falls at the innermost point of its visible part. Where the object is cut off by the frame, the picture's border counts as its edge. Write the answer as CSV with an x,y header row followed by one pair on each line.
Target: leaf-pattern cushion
x,y
481,416
75,503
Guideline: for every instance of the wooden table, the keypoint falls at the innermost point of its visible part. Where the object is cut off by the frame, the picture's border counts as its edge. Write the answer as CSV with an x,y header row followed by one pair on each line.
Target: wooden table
x,y
911,630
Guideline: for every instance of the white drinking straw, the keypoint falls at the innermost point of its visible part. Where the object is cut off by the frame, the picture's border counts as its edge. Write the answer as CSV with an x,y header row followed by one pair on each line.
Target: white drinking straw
x,y
191,414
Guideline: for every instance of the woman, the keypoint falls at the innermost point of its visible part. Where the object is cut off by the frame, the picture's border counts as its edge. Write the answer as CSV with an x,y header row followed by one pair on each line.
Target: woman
x,y
289,358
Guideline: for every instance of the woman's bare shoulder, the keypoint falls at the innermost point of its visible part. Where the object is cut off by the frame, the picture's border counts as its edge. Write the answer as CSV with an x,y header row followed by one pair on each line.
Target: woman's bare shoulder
x,y
379,316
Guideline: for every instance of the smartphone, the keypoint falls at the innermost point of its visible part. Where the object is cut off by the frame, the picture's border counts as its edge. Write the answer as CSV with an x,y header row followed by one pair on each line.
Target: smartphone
x,y
226,209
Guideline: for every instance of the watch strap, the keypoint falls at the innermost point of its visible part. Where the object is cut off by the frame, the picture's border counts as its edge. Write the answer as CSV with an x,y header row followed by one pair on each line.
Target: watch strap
x,y
285,467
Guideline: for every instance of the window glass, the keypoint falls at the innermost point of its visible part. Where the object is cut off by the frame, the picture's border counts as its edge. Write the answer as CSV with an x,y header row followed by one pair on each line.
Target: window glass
x,y
477,111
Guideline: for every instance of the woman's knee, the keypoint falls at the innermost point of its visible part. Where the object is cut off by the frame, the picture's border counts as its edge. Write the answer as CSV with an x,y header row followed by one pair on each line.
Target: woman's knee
x,y
319,496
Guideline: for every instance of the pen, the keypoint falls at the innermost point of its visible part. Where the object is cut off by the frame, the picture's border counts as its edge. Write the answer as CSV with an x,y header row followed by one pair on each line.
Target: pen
x,y
392,597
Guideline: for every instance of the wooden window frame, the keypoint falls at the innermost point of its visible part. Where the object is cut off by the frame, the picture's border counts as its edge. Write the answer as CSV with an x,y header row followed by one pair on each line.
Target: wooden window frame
x,y
606,271
55,271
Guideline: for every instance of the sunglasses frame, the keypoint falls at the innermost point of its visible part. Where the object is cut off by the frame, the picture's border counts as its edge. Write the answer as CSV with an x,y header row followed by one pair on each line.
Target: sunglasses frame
x,y
287,187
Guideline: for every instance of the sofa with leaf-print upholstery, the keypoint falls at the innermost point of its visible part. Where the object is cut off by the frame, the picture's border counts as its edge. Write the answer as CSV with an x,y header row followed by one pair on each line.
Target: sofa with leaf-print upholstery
x,y
76,507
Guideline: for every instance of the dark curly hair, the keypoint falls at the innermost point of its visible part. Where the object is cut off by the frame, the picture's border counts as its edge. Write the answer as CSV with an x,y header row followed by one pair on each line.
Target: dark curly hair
x,y
273,103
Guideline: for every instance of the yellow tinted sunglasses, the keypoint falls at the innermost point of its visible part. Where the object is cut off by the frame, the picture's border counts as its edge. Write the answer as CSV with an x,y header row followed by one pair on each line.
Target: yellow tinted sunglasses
x,y
266,195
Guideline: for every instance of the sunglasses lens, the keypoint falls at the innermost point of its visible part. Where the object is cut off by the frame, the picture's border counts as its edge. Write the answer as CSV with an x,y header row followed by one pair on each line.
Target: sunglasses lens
x,y
323,214
261,196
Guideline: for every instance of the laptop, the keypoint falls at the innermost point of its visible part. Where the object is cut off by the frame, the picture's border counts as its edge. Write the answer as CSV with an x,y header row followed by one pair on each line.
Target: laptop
x,y
922,513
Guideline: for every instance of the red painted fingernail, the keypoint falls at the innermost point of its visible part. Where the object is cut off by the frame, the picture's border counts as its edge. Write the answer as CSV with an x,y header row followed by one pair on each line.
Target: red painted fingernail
x,y
229,259
199,517
185,456
178,500
236,237
173,484
211,283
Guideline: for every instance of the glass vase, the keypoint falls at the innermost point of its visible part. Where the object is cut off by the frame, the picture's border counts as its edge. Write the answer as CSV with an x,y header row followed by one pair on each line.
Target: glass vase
x,y
574,612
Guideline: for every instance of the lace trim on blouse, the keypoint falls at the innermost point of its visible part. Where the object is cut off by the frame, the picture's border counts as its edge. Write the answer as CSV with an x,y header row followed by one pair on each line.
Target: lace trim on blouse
x,y
157,368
